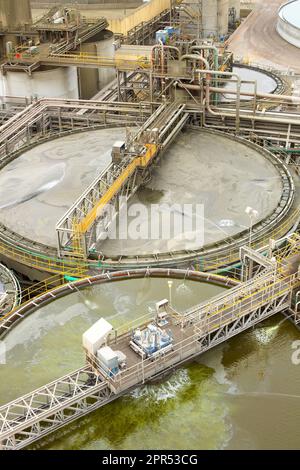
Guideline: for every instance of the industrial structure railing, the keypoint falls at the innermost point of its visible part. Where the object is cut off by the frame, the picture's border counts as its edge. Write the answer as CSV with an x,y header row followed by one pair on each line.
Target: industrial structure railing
x,y
202,329
55,286
46,409
47,118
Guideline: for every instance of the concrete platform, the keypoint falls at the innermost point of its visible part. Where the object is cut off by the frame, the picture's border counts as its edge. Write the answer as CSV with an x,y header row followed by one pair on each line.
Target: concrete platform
x,y
258,41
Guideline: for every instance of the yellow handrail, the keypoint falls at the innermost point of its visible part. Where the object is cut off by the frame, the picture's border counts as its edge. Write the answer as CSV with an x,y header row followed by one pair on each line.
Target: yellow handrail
x,y
141,161
68,267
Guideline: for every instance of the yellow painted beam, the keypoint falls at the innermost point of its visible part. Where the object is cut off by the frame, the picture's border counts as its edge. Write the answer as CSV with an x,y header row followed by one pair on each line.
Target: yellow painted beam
x,y
130,62
141,161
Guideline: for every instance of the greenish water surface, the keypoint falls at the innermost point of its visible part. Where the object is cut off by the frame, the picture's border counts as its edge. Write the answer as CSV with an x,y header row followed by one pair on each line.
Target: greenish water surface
x,y
242,394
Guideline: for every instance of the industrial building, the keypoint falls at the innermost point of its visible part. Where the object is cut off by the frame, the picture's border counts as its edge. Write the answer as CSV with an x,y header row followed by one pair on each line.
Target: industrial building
x,y
149,208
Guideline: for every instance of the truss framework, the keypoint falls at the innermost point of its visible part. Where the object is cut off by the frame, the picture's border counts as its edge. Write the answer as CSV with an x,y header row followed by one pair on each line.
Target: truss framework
x,y
39,413
117,183
48,408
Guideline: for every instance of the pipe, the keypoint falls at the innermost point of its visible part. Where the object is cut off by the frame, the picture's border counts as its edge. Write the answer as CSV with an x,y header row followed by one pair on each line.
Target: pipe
x,y
196,57
161,47
292,99
247,116
238,90
232,92
173,48
251,117
213,48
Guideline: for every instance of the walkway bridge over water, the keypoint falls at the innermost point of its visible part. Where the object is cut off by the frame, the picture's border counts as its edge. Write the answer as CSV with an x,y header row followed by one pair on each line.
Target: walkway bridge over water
x,y
270,286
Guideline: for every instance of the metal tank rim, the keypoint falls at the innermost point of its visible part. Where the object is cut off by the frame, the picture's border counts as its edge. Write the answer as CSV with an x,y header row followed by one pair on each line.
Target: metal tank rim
x,y
281,85
288,31
176,258
8,277
220,248
19,313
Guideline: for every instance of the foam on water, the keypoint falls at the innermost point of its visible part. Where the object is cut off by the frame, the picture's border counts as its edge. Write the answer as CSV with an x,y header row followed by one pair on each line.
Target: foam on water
x,y
183,289
266,334
165,390
213,359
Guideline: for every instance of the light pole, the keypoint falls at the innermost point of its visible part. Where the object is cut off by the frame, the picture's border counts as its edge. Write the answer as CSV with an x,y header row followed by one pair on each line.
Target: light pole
x,y
253,214
170,283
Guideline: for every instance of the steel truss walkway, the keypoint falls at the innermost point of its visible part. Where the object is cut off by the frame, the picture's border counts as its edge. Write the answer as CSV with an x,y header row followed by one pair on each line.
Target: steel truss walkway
x,y
37,414
51,407
46,119
90,217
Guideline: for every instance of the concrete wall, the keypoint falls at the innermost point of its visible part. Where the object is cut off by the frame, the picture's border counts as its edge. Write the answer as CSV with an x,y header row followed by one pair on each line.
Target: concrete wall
x,y
88,78
209,17
53,83
288,32
222,17
88,4
93,80
214,17
15,12
105,48
143,13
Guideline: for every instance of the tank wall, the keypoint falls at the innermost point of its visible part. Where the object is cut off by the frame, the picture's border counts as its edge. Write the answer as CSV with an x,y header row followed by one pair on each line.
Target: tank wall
x,y
105,48
288,32
54,83
10,285
88,78
223,8
15,12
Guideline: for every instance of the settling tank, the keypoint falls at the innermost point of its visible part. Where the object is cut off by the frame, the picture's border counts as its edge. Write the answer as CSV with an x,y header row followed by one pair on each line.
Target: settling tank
x,y
60,82
9,291
218,401
219,179
288,22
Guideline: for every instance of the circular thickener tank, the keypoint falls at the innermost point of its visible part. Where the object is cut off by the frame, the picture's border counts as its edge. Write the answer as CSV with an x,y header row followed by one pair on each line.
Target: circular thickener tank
x,y
218,401
265,82
53,333
288,23
213,176
49,178
9,292
60,82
